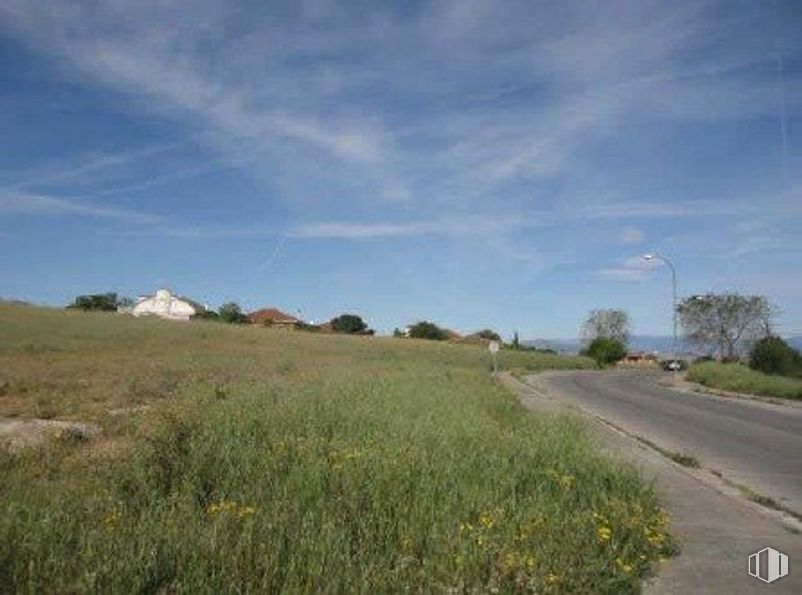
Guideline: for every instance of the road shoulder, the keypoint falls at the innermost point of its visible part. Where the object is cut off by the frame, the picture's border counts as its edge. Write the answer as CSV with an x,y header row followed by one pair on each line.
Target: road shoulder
x,y
717,531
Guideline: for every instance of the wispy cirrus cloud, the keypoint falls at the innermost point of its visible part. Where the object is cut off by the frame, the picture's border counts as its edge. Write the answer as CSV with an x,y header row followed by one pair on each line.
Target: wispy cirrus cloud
x,y
350,231
52,206
632,269
632,235
490,223
86,169
530,134
317,88
139,52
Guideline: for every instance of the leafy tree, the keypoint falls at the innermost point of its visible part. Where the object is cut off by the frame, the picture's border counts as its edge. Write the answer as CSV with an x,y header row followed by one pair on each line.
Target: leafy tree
x,y
725,324
608,324
772,355
515,343
106,302
125,302
605,351
348,323
398,333
206,315
489,335
427,330
232,313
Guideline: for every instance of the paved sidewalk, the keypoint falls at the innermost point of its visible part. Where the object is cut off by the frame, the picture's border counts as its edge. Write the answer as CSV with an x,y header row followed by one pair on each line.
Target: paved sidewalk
x,y
716,531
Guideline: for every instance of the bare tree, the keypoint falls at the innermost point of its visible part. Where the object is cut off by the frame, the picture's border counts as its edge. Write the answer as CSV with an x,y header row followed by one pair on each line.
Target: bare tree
x,y
726,324
610,324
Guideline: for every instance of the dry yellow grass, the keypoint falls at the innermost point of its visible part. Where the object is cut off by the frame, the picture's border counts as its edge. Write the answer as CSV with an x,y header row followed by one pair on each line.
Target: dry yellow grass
x,y
69,364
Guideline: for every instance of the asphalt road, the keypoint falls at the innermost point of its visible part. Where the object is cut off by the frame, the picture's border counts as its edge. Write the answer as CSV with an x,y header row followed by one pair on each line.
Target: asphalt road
x,y
756,444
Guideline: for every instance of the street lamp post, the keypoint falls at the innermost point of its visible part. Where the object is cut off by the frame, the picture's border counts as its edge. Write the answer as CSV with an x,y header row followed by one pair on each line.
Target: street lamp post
x,y
660,257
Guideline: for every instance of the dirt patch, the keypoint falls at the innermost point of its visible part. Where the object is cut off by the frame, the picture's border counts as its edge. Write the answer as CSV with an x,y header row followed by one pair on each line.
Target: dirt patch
x,y
21,433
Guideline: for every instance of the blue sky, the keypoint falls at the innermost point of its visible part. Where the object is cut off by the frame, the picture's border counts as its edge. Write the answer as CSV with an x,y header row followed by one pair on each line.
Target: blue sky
x,y
479,164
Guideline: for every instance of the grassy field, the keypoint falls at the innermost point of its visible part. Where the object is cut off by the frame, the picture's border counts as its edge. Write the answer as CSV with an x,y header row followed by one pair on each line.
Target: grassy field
x,y
741,379
268,460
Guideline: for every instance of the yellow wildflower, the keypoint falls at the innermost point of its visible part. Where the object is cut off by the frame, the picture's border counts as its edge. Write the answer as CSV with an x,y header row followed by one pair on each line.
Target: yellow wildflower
x,y
655,540
604,533
510,561
566,482
112,518
228,506
246,511
623,565
486,520
530,562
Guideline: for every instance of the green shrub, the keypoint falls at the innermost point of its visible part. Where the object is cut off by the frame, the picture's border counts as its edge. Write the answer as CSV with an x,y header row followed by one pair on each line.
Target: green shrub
x,y
232,313
605,351
739,378
772,355
99,302
349,323
489,335
427,330
206,315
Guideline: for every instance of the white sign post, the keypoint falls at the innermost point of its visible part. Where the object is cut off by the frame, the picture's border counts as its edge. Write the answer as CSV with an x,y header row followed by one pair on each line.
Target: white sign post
x,y
494,347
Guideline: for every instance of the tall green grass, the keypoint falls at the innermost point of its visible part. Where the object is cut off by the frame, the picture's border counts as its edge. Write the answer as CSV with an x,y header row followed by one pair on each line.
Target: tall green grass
x,y
388,466
741,379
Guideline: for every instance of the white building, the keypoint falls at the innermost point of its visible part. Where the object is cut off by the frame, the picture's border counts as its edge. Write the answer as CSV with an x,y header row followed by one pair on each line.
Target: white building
x,y
166,305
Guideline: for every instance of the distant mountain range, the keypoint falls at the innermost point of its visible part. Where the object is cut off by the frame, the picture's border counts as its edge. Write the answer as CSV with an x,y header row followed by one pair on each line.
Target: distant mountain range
x,y
657,343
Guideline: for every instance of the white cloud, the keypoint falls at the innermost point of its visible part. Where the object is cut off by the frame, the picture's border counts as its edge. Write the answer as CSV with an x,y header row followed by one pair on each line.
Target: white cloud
x,y
632,269
621,274
419,110
341,230
86,168
631,235
38,204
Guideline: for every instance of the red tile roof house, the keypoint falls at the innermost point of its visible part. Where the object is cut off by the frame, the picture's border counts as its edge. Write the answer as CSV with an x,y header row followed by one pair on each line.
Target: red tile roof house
x,y
638,359
273,317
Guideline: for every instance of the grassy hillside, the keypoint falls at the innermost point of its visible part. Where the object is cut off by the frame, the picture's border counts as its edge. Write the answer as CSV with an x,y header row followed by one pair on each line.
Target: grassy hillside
x,y
741,379
74,365
268,460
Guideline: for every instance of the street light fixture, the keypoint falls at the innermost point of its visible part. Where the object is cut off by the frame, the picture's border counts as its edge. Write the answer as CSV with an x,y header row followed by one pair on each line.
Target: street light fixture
x,y
660,257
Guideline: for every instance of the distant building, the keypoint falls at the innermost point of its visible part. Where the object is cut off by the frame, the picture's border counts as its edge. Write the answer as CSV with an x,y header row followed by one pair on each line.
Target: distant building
x,y
166,305
273,317
639,359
